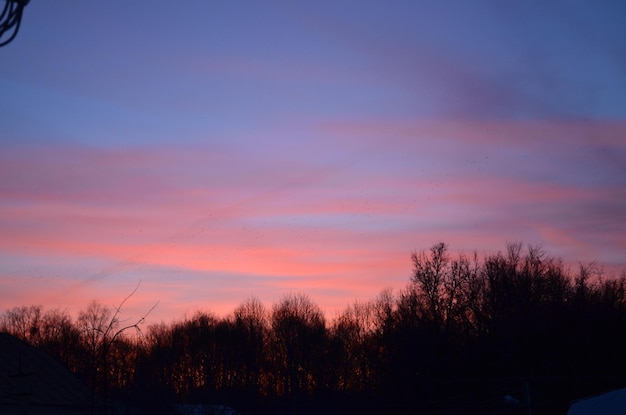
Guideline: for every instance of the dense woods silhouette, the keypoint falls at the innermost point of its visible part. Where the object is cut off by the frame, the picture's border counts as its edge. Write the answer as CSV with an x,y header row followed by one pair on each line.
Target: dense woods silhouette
x,y
511,332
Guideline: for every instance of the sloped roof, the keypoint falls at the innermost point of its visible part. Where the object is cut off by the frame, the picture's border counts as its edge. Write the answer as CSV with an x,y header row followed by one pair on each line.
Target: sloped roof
x,y
610,403
30,374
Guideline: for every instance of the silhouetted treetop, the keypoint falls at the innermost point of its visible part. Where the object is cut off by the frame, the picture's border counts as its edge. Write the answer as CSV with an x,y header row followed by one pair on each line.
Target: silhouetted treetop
x,y
464,332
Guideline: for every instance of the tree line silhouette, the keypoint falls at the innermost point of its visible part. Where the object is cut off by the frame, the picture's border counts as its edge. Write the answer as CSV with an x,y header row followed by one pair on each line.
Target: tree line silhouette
x,y
511,332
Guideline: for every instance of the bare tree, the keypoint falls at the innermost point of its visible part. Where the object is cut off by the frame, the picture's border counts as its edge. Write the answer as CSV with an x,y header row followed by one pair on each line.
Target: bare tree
x,y
438,281
299,330
101,330
352,333
23,323
251,331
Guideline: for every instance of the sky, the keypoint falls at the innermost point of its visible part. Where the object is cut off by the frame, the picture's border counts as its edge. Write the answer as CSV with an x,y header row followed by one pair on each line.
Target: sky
x,y
211,151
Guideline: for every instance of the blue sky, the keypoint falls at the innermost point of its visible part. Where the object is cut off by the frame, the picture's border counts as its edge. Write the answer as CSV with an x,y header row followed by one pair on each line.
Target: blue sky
x,y
217,150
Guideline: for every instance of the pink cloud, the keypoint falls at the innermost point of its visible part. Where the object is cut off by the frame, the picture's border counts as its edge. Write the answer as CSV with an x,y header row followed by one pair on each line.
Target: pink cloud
x,y
208,232
528,134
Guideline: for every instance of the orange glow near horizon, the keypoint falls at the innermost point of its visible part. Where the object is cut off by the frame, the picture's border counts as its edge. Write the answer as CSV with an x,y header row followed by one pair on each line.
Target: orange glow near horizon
x,y
226,161
209,244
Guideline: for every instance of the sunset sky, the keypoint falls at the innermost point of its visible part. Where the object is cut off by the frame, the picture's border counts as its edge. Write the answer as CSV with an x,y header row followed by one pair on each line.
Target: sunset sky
x,y
217,150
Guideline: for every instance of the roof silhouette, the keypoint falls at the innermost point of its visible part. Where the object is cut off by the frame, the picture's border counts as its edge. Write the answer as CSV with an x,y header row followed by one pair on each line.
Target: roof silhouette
x,y
610,403
32,378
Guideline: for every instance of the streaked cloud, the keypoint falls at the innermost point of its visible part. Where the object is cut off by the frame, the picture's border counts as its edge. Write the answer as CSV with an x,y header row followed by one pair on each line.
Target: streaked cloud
x,y
302,147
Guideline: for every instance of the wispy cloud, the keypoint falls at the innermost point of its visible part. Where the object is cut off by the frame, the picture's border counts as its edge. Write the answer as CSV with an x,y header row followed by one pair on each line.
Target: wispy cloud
x,y
303,148
341,226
